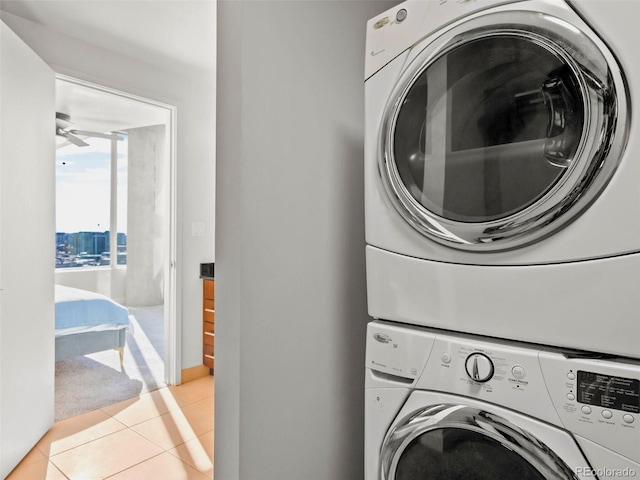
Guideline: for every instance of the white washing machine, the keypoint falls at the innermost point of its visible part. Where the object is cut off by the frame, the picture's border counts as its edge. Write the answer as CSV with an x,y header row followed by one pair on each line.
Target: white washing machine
x,y
452,406
502,173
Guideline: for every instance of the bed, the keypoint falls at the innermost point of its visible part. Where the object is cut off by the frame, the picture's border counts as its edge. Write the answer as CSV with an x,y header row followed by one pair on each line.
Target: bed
x,y
88,322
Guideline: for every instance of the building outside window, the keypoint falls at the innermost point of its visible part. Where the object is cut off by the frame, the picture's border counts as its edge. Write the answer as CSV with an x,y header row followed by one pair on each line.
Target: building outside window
x,y
89,198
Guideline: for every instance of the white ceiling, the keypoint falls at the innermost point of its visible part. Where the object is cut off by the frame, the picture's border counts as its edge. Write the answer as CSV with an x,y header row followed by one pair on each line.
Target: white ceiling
x,y
176,34
100,111
154,31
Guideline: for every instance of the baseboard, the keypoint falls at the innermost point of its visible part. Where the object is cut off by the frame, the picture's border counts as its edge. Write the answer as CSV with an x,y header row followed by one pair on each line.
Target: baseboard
x,y
193,373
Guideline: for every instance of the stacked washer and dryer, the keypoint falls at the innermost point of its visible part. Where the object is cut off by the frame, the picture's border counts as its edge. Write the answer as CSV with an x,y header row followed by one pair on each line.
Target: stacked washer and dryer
x,y
502,198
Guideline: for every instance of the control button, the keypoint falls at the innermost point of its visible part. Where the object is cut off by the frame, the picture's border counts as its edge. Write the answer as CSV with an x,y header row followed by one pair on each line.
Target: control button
x,y
445,357
401,15
518,371
628,418
571,376
586,409
479,367
571,396
607,414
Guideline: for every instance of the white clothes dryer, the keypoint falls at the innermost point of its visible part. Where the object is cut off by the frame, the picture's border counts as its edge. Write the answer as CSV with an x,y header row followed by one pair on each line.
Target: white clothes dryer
x,y
444,407
502,181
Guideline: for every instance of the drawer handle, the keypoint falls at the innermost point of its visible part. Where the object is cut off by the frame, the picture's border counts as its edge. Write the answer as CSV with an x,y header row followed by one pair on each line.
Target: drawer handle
x,y
211,334
210,310
210,356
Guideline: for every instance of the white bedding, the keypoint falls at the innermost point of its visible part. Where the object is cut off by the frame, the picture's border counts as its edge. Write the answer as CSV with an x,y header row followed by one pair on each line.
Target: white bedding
x,y
87,311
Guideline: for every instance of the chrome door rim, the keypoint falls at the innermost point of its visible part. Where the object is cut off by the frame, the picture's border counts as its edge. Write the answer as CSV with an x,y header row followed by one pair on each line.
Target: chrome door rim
x,y
443,416
599,150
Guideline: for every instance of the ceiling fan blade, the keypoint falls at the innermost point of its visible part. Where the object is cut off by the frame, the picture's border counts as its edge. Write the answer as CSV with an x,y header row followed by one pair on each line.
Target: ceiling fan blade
x,y
76,141
72,138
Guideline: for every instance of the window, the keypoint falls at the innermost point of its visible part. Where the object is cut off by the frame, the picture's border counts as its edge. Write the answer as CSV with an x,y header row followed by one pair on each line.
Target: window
x,y
89,199
473,140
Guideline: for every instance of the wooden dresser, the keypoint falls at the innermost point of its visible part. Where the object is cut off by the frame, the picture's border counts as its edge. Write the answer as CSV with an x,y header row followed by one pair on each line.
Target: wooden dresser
x,y
208,323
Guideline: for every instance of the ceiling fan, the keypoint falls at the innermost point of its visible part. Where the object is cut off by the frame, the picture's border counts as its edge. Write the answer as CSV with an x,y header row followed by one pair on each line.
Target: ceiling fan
x,y
63,124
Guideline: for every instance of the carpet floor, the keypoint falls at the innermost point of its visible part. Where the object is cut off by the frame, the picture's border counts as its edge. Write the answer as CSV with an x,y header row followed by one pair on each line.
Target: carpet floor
x,y
94,381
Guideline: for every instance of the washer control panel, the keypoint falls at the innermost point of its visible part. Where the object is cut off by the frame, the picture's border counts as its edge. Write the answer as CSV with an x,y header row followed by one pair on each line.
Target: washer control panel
x,y
595,399
496,372
397,351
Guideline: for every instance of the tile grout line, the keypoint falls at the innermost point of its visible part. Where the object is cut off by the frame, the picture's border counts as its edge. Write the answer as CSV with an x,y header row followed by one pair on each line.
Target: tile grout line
x,y
48,457
135,465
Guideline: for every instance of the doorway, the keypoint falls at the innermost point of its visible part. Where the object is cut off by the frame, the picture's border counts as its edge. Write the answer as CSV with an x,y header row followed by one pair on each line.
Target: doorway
x,y
115,232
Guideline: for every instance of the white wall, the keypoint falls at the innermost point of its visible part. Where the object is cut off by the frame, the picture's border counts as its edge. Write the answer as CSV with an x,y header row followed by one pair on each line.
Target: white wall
x,y
27,249
107,281
290,272
193,93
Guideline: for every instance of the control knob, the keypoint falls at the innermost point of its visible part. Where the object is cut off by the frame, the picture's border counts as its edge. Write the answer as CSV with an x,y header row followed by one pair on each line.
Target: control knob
x,y
479,367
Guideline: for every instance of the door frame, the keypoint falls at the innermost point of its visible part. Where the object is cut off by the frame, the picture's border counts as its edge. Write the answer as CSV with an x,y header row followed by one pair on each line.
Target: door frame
x,y
172,322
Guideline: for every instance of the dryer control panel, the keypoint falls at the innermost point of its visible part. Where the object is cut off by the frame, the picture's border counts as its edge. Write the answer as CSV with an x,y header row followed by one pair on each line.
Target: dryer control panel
x,y
400,27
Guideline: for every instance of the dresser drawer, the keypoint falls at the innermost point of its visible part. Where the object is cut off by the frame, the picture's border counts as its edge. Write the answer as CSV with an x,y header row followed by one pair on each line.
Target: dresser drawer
x,y
208,357
208,327
208,289
208,322
209,316
208,361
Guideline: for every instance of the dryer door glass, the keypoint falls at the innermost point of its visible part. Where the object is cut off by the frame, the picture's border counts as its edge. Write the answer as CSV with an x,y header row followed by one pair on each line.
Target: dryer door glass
x,y
501,130
453,453
487,129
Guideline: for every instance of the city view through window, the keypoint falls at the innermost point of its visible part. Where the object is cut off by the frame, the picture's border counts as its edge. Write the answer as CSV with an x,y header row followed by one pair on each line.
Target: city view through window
x,y
83,203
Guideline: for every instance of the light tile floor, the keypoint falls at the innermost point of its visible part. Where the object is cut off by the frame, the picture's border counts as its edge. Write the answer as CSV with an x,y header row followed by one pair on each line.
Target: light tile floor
x,y
166,434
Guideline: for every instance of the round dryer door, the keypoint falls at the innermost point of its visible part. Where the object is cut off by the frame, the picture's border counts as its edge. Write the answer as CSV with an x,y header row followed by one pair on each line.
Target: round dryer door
x,y
501,130
459,442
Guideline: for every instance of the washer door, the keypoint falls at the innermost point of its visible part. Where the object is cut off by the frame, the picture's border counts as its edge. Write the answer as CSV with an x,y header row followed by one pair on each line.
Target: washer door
x,y
501,130
448,442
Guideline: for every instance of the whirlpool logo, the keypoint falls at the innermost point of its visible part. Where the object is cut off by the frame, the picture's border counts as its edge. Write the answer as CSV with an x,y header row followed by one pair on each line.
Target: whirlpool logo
x,y
382,337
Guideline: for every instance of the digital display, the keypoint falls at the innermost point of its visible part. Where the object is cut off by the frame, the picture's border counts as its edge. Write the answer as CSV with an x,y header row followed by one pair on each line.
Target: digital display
x,y
609,392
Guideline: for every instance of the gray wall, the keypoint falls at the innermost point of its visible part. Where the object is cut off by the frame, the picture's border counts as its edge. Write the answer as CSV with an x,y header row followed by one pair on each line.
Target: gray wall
x,y
290,266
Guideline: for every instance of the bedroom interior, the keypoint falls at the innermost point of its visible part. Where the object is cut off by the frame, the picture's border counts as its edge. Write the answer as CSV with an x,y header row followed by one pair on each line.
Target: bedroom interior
x,y
111,171
90,382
